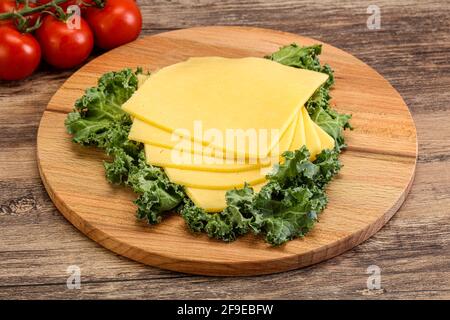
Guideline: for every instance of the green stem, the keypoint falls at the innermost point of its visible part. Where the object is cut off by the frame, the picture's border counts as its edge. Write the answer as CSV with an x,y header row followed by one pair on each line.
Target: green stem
x,y
27,10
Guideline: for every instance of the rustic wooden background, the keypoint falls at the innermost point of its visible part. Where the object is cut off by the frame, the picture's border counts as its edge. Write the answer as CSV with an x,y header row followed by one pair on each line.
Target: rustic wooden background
x,y
412,50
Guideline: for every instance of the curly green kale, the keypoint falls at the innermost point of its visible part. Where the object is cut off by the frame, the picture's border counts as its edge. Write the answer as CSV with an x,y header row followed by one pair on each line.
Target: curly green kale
x,y
235,220
285,208
98,120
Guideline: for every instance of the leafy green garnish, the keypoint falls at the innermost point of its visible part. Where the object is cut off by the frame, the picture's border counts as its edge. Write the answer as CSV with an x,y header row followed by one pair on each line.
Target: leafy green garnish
x,y
100,107
98,120
286,207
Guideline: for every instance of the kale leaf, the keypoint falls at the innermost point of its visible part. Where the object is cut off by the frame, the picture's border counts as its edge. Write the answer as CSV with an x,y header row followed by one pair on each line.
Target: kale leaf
x,y
98,120
285,208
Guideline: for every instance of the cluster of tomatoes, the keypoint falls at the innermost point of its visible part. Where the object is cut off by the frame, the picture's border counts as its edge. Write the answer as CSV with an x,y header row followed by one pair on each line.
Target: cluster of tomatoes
x,y
34,35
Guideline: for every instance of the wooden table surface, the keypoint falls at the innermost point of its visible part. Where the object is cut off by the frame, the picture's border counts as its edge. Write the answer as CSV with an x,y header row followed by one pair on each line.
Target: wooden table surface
x,y
411,49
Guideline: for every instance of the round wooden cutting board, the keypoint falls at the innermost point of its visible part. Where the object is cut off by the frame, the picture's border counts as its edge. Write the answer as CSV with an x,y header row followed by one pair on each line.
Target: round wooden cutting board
x,y
378,167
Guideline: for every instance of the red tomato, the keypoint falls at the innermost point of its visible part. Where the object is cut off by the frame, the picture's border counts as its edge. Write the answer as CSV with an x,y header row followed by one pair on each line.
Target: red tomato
x,y
7,6
63,47
119,22
10,6
20,54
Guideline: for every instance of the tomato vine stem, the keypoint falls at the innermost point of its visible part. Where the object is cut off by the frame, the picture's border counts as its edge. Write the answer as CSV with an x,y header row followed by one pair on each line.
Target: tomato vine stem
x,y
27,10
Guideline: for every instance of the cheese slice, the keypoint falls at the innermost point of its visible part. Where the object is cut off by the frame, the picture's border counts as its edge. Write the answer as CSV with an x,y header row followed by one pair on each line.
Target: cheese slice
x,y
215,180
163,157
212,200
247,93
299,139
170,158
326,141
311,136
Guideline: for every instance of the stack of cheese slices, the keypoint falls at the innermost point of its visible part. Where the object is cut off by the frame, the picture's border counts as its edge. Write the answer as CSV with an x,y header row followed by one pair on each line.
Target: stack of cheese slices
x,y
214,124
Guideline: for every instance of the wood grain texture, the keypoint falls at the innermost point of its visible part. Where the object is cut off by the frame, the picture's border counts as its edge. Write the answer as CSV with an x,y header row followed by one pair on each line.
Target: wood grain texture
x,y
378,167
411,50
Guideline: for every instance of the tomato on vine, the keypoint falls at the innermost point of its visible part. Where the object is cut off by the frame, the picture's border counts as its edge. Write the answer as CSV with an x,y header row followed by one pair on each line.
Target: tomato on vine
x,y
62,46
7,6
20,54
116,23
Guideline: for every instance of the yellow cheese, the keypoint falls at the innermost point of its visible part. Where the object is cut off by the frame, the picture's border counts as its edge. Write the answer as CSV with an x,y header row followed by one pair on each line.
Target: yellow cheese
x,y
299,137
247,93
326,141
168,157
219,180
212,196
212,200
216,180
286,140
311,136
163,157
